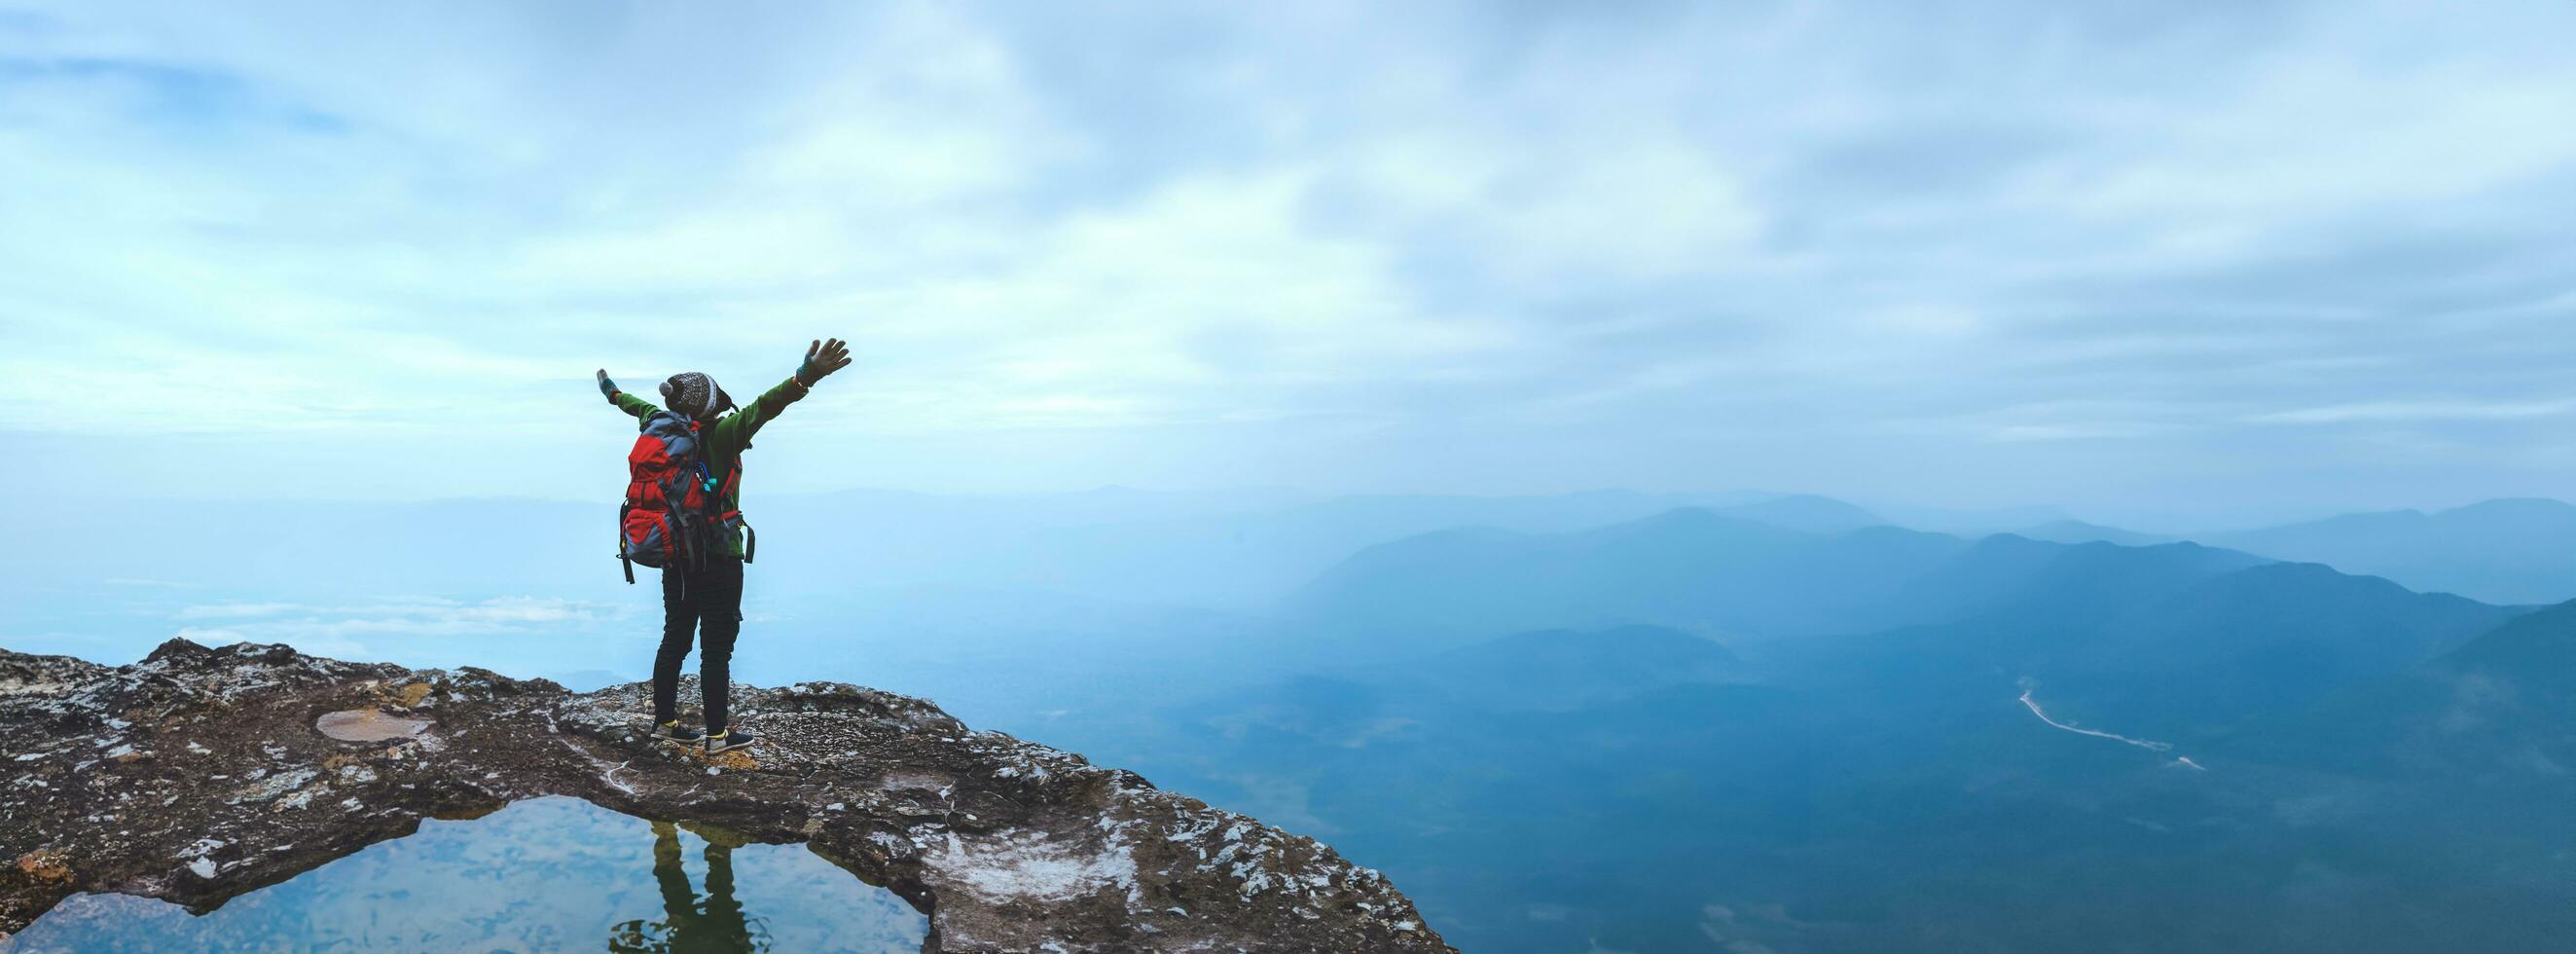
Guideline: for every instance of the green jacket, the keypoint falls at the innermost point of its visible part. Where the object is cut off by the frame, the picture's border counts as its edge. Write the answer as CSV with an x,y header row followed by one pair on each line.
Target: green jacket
x,y
727,438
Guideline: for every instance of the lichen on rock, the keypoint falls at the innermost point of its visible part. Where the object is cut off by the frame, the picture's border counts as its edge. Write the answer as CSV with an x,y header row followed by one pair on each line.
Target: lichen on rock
x,y
200,774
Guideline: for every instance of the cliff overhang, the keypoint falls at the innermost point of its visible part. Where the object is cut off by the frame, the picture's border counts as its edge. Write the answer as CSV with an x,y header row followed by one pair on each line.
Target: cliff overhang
x,y
200,774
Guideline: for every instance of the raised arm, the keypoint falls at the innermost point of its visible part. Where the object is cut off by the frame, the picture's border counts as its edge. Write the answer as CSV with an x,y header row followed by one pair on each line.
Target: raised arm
x,y
628,403
821,359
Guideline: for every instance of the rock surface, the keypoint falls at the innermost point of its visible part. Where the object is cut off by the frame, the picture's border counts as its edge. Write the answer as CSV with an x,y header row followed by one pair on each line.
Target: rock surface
x,y
201,774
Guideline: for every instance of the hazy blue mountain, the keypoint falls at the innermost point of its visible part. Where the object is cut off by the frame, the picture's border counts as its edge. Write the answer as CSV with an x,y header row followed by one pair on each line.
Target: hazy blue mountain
x,y
1569,669
1806,512
2512,699
2178,640
1250,558
1968,523
2496,713
1891,791
2535,655
2501,551
1691,569
2275,635
2007,576
1713,574
2078,531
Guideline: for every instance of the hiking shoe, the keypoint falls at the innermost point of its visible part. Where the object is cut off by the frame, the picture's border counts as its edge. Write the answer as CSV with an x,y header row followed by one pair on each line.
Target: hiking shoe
x,y
673,731
729,742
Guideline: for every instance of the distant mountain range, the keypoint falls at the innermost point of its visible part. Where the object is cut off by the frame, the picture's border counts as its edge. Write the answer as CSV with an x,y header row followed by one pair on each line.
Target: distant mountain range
x,y
2176,744
2173,634
1569,669
2078,531
2496,713
1238,551
1709,572
2500,551
2504,551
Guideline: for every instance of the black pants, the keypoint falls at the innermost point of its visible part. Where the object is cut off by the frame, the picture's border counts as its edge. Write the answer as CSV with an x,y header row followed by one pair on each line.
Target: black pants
x,y
706,600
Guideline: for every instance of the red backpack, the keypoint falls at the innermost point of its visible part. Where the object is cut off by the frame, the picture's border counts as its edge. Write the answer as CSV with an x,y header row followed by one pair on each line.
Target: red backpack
x,y
671,516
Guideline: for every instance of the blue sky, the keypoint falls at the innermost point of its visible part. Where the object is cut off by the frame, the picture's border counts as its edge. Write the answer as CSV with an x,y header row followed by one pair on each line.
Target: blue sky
x,y
2119,256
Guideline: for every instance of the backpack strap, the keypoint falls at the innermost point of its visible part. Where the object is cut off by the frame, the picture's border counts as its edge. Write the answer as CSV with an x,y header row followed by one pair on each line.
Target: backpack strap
x,y
622,562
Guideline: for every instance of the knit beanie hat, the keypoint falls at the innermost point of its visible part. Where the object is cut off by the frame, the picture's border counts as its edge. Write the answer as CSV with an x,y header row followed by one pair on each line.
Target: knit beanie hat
x,y
696,395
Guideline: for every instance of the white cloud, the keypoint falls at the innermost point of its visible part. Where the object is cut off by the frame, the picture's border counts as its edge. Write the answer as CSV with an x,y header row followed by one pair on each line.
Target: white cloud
x,y
1612,249
2106,430
312,626
1578,211
235,610
2417,411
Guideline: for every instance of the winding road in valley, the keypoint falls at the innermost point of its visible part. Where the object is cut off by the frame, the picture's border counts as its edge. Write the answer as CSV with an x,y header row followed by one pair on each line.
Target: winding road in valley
x,y
2147,744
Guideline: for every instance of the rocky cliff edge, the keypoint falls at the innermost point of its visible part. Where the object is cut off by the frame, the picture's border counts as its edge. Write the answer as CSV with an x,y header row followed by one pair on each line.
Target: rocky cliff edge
x,y
200,774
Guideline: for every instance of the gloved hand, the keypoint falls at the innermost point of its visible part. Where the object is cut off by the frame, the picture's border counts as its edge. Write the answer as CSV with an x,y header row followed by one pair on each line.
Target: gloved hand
x,y
822,358
607,388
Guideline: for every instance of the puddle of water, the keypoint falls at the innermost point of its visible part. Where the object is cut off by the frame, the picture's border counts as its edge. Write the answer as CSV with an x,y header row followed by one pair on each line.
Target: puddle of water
x,y
543,875
367,725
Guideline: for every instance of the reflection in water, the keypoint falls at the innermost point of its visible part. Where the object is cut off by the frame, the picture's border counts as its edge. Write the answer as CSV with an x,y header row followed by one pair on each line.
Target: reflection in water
x,y
720,926
553,874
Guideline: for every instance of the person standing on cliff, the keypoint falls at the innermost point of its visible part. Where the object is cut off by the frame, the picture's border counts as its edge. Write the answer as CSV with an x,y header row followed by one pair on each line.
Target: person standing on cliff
x,y
702,594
